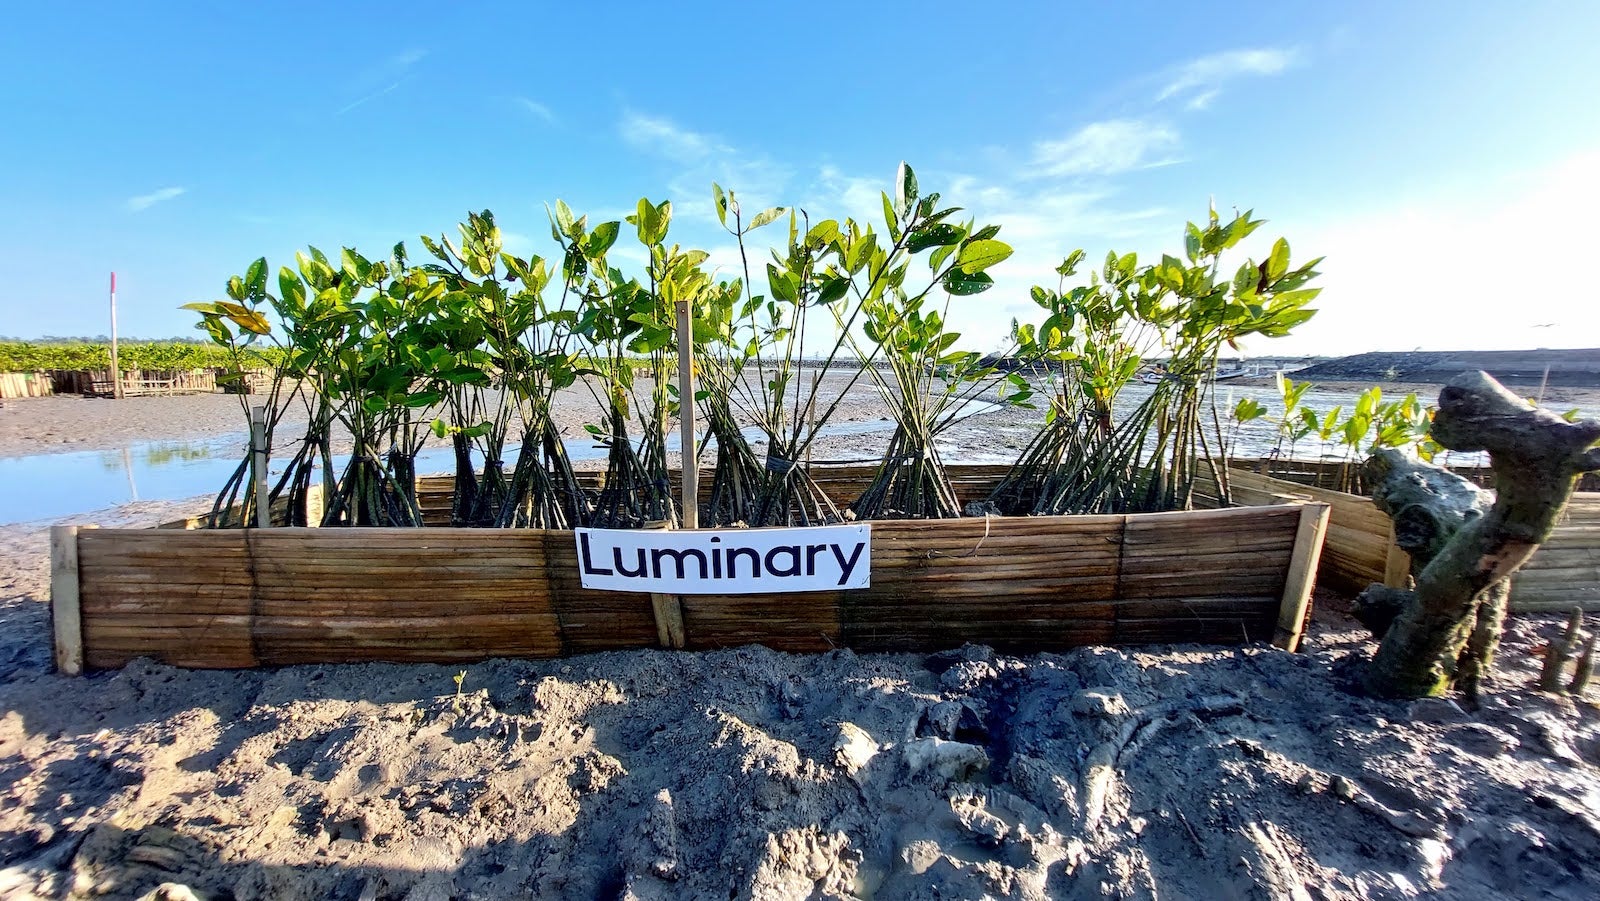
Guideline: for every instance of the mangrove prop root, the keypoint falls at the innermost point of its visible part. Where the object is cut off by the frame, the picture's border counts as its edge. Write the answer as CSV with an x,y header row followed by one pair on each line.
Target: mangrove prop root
x,y
1560,652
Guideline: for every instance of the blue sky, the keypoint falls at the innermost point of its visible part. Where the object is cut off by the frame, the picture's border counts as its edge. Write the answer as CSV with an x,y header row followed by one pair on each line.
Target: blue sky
x,y
1444,157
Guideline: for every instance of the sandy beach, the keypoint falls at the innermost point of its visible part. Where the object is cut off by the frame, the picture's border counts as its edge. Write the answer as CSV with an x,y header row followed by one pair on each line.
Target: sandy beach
x,y
1159,772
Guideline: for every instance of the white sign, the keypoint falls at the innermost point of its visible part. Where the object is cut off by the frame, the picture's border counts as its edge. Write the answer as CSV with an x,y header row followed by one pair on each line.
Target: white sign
x,y
727,561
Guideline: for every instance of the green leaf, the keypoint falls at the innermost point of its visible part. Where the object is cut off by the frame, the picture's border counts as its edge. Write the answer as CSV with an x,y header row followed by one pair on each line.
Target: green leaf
x,y
833,289
291,290
564,218
934,236
601,239
976,256
764,217
905,189
782,283
963,283
719,200
889,219
985,233
256,276
1278,262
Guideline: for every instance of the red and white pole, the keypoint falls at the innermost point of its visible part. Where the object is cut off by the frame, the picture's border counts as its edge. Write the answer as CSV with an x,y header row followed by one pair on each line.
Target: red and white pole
x,y
116,370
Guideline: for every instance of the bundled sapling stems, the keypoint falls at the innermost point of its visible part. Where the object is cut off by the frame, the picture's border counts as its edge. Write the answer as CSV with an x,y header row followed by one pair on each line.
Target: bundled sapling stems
x,y
509,355
930,385
1091,343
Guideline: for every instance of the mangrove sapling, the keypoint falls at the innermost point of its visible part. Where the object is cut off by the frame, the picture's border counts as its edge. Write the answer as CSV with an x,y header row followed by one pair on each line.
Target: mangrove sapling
x,y
479,332
1292,427
1094,339
931,388
623,320
721,358
1150,461
758,358
533,349
930,385
1246,411
1266,298
842,269
536,343
367,354
237,326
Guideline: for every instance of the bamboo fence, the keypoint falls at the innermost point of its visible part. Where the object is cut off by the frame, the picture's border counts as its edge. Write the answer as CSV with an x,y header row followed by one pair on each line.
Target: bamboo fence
x,y
1360,550
135,382
253,597
26,384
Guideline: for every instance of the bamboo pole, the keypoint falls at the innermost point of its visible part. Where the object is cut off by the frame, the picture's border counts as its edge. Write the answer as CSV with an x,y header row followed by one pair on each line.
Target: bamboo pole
x,y
1296,604
116,370
258,454
66,616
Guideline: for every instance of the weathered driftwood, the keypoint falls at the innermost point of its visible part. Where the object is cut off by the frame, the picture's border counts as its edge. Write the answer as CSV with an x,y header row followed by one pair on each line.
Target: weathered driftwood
x,y
1427,505
1449,625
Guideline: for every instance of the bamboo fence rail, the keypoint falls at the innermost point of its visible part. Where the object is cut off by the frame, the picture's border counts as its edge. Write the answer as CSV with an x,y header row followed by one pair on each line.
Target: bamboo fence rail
x,y
252,597
1564,572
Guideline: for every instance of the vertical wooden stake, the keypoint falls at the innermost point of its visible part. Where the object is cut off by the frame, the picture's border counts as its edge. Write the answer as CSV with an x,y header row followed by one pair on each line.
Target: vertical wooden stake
x,y
1303,562
1396,564
258,456
690,467
66,616
668,611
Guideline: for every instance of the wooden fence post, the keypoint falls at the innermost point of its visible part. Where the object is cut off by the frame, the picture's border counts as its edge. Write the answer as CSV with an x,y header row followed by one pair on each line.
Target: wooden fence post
x,y
1303,562
668,610
258,454
689,468
66,616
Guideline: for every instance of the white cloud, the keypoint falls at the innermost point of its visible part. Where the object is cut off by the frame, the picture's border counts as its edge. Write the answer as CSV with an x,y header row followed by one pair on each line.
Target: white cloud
x,y
407,59
1107,148
536,108
663,137
146,201
1199,81
702,159
1486,272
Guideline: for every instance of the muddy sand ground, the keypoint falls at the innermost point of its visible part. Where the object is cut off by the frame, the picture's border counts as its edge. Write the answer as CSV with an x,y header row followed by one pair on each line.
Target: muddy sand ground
x,y
1158,772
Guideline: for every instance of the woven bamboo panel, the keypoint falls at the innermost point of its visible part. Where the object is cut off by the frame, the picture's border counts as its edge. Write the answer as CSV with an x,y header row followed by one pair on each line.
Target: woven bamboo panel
x,y
1564,572
239,598
1356,552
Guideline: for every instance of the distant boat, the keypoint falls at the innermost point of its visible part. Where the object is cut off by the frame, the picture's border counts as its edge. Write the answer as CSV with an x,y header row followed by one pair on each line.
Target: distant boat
x,y
1237,371
1158,373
